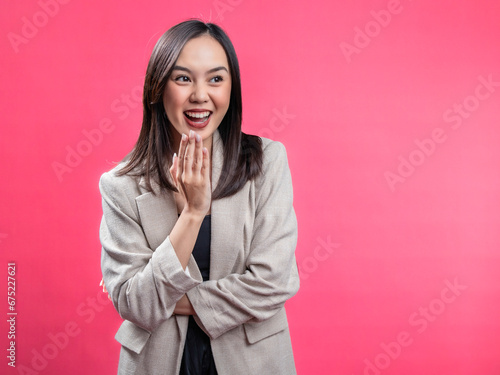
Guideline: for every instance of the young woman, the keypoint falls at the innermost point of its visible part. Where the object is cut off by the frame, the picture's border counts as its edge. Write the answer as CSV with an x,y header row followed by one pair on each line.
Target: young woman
x,y
199,232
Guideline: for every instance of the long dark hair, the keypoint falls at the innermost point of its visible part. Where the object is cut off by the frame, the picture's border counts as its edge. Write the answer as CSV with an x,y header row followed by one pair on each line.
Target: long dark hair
x,y
153,152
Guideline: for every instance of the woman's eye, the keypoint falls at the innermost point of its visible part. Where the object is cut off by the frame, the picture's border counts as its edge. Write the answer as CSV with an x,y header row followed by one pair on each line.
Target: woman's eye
x,y
182,78
216,79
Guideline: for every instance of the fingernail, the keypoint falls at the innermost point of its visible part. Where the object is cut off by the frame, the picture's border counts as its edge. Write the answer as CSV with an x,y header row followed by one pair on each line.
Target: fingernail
x,y
191,134
175,155
198,138
184,137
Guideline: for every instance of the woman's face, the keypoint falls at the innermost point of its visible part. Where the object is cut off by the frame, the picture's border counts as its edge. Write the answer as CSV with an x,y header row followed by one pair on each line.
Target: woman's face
x,y
198,91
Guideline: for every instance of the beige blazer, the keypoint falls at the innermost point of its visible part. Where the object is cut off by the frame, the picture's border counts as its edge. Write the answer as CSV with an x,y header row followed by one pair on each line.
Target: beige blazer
x,y
253,272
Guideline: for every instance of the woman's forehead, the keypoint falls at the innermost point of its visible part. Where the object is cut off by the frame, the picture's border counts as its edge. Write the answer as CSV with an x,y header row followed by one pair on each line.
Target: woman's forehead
x,y
202,53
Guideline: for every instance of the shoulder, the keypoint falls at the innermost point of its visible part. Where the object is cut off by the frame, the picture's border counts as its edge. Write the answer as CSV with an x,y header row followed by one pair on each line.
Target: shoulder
x,y
273,186
113,177
270,145
116,186
274,154
275,169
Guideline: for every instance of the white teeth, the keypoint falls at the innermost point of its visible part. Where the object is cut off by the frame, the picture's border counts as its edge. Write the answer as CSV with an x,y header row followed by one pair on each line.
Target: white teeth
x,y
198,114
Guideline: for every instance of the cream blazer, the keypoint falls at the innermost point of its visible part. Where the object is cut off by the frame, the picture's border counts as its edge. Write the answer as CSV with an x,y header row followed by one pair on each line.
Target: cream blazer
x,y
253,272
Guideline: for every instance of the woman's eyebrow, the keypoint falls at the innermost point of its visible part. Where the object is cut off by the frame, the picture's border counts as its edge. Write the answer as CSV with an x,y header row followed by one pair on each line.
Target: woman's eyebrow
x,y
184,69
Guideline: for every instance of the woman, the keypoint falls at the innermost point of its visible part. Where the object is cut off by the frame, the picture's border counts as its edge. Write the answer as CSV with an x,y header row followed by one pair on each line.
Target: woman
x,y
198,246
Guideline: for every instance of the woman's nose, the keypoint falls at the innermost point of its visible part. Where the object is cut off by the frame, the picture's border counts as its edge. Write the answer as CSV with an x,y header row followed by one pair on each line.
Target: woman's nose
x,y
199,94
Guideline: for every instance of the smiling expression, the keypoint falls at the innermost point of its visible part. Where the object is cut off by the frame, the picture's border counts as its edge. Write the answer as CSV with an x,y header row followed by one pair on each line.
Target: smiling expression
x,y
198,91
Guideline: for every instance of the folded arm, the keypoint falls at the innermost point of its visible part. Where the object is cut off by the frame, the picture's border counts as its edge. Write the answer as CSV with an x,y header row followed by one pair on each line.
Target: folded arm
x,y
148,286
271,275
143,283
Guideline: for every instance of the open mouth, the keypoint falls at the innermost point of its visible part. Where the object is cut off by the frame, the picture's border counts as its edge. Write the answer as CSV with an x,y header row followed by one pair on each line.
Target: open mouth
x,y
197,117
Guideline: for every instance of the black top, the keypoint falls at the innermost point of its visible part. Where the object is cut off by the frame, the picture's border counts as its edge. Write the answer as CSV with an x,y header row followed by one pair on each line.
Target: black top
x,y
197,358
201,251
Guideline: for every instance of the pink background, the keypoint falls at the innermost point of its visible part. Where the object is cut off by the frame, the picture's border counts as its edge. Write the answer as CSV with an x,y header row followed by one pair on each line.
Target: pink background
x,y
390,114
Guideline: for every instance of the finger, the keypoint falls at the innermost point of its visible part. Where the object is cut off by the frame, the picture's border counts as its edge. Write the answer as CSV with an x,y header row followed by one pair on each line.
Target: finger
x,y
182,152
189,155
103,286
198,153
206,165
173,168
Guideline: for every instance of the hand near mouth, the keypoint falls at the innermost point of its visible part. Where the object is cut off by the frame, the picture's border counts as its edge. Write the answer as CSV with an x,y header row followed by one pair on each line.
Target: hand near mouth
x,y
190,171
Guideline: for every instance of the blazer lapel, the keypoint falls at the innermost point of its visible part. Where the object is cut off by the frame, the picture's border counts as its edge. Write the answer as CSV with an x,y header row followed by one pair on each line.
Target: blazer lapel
x,y
225,221
158,215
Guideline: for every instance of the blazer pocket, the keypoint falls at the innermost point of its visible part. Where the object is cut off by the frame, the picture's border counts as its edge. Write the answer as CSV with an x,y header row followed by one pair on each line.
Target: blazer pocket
x,y
132,337
256,331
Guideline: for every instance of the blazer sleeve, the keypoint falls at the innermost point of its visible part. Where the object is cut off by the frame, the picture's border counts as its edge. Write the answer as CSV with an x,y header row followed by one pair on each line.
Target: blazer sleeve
x,y
271,275
143,283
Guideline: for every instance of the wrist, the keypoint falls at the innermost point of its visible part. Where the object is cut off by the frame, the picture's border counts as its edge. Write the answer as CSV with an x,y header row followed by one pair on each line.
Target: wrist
x,y
194,216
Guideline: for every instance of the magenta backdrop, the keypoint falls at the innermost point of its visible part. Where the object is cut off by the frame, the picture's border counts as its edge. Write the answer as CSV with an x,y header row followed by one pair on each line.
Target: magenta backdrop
x,y
390,114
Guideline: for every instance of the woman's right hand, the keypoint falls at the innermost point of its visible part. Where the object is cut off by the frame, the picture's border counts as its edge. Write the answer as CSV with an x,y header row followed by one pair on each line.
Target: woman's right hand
x,y
191,174
104,290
